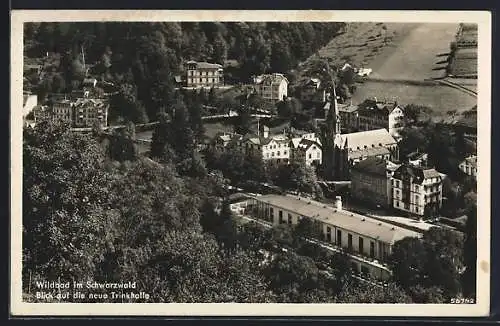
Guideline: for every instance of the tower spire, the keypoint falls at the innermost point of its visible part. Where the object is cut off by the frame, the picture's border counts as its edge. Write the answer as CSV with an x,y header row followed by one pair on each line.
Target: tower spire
x,y
83,59
258,127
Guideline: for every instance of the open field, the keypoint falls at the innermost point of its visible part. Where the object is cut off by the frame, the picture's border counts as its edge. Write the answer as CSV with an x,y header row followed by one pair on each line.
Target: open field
x,y
362,42
211,129
439,98
419,54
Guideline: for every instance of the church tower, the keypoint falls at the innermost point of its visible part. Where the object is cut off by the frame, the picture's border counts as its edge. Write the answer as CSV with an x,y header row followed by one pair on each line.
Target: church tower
x,y
332,128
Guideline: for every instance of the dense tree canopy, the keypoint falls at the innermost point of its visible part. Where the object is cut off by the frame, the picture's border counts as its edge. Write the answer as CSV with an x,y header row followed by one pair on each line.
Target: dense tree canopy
x,y
148,55
434,263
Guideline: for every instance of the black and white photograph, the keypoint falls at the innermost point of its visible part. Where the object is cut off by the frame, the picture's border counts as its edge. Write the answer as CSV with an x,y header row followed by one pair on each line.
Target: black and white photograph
x,y
204,157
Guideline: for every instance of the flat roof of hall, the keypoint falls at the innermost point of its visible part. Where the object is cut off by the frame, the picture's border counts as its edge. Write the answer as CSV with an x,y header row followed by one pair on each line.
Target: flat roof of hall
x,y
350,221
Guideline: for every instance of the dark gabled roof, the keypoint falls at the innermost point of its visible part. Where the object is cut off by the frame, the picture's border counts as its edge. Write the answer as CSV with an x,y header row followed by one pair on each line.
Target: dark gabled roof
x,y
205,65
365,139
372,165
369,152
270,79
304,144
415,155
472,160
88,101
231,63
371,107
315,82
430,173
419,174
348,108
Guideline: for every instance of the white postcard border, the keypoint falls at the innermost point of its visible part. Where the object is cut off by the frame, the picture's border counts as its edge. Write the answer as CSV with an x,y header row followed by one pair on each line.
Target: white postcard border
x,y
481,308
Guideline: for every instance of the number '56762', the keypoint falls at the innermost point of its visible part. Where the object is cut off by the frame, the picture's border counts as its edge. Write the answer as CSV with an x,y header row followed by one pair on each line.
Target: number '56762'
x,y
462,300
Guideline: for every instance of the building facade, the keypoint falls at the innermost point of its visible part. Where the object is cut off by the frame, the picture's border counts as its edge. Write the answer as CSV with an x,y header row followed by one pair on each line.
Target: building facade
x,y
376,115
469,166
371,181
368,242
83,112
41,112
417,190
204,74
90,112
30,101
418,159
222,140
311,91
349,118
306,151
276,148
63,110
271,87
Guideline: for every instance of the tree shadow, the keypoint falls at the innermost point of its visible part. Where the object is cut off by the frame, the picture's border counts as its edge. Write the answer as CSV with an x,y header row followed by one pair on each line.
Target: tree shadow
x,y
439,68
441,62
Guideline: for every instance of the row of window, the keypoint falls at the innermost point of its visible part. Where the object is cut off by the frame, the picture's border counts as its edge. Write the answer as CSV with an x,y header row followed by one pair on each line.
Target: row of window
x,y
318,154
469,170
274,146
201,73
434,188
361,244
403,205
280,218
407,206
202,80
328,236
277,154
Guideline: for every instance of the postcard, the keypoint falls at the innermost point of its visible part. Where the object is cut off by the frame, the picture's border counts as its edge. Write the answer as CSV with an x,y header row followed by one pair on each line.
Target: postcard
x,y
250,163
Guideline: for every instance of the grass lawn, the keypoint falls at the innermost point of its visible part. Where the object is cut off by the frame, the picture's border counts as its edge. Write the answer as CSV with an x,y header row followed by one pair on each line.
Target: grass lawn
x,y
211,129
362,43
439,98
419,54
413,51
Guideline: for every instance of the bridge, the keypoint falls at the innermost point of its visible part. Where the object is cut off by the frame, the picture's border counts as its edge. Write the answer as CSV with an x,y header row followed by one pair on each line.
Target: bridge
x,y
146,126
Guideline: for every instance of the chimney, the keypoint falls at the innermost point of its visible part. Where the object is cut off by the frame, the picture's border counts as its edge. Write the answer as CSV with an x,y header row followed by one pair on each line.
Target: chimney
x,y
338,203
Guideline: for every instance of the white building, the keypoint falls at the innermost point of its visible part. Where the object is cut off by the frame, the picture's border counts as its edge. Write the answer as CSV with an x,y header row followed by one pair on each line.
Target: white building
x,y
30,101
418,159
367,241
204,74
221,141
376,115
469,166
372,143
417,190
311,91
307,151
272,87
277,147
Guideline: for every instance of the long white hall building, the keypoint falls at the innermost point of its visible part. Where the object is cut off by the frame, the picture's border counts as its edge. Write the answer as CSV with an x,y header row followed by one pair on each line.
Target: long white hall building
x,y
367,241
